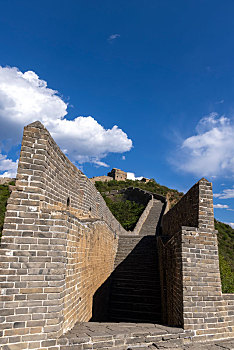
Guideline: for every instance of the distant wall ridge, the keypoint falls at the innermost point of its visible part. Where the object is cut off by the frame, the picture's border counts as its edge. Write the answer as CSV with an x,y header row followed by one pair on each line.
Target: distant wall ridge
x,y
137,194
140,196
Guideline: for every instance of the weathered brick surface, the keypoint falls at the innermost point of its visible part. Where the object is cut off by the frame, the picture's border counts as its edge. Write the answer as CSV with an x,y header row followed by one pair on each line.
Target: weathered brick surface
x,y
170,262
195,209
191,286
58,245
5,180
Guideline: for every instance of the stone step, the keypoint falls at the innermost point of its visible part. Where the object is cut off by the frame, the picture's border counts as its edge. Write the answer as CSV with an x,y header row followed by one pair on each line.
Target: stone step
x,y
135,281
134,256
131,264
129,274
135,288
139,290
137,298
135,316
140,307
138,265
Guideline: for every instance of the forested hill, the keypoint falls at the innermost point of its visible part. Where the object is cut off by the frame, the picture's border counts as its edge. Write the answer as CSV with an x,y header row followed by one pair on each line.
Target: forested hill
x,y
173,196
226,255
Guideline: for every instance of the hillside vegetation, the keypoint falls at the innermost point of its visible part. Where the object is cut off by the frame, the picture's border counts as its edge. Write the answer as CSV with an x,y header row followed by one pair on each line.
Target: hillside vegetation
x,y
4,195
125,211
226,255
173,196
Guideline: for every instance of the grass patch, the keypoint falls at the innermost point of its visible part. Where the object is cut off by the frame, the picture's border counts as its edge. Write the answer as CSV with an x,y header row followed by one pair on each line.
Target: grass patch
x,y
226,255
125,211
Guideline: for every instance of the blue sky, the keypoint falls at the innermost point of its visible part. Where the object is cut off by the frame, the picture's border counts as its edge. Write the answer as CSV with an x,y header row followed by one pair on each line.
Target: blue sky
x,y
160,70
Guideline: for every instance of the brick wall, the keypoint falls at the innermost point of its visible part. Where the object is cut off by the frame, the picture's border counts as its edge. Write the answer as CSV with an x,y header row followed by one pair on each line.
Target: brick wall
x,y
58,246
185,212
171,280
229,301
5,180
204,307
103,178
90,256
189,267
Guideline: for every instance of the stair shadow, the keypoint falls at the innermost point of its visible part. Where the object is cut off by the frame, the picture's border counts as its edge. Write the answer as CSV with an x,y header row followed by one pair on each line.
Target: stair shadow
x,y
133,287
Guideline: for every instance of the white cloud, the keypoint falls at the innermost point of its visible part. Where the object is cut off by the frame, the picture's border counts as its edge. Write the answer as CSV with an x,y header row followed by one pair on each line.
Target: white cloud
x,y
84,139
99,163
211,151
225,194
231,224
8,166
113,37
123,157
131,176
221,206
25,98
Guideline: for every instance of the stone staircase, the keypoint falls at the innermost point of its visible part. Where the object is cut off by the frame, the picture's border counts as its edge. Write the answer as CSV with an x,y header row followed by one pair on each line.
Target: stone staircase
x,y
152,221
135,288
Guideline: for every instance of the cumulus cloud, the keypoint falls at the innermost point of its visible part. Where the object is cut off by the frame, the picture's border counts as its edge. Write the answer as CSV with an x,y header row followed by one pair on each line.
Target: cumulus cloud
x,y
225,194
84,139
8,166
113,37
25,98
221,206
231,224
210,152
131,176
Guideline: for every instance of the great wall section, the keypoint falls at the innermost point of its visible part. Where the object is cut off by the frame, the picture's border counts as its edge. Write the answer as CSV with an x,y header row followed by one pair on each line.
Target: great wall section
x,y
73,279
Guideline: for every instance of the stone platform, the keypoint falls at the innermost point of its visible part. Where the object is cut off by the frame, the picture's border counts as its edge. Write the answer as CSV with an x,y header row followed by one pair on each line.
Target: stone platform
x,y
124,336
133,336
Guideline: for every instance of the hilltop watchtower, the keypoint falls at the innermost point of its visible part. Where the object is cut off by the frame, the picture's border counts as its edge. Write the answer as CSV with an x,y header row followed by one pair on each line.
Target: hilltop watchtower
x,y
117,174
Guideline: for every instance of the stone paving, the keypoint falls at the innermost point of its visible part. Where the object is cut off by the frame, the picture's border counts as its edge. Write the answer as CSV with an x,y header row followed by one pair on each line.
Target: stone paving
x,y
215,345
133,336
